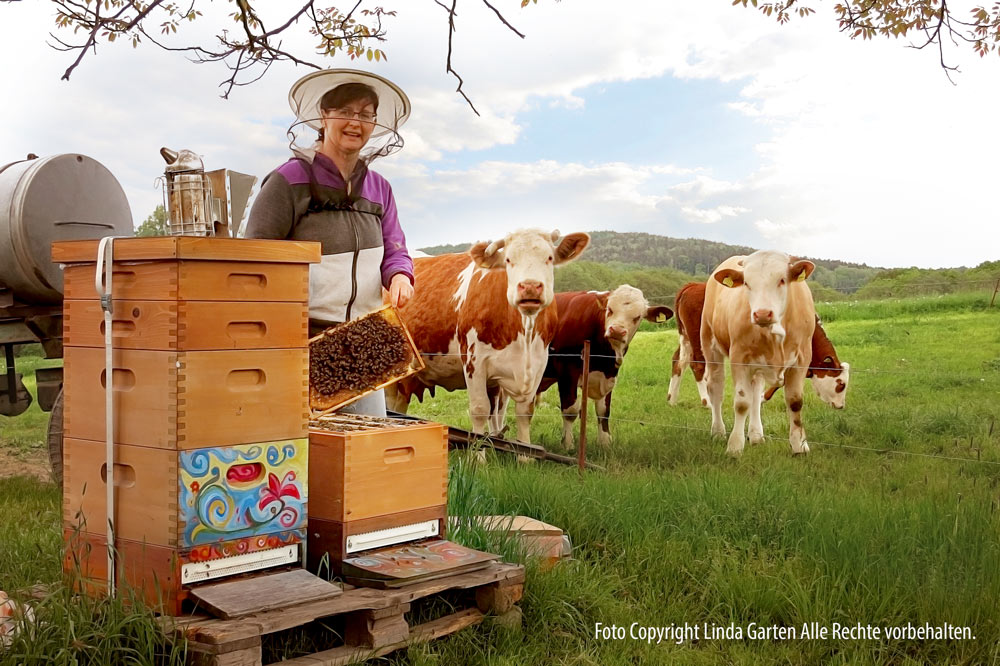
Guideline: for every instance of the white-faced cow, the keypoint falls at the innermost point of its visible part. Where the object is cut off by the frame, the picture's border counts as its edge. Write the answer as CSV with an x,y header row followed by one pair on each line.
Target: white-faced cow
x,y
482,321
759,312
830,377
609,320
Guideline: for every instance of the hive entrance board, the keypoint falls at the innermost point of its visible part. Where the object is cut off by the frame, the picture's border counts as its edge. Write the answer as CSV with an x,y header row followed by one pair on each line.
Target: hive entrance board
x,y
256,594
353,359
408,563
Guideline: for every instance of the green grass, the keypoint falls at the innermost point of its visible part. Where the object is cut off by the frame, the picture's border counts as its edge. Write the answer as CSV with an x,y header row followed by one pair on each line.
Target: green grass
x,y
892,519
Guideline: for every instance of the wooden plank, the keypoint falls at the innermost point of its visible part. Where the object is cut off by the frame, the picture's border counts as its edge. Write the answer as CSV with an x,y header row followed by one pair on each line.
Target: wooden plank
x,y
240,397
223,631
145,396
187,325
210,325
191,247
145,482
242,281
172,280
421,633
236,598
149,280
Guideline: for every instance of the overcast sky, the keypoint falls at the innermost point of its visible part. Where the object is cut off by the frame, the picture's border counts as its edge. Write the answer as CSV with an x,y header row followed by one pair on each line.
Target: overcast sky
x,y
687,118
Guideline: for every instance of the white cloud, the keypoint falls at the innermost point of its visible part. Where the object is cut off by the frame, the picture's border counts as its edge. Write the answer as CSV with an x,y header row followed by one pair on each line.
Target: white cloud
x,y
870,153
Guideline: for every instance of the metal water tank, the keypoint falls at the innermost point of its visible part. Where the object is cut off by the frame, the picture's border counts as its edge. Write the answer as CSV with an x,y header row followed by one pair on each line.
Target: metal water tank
x,y
42,200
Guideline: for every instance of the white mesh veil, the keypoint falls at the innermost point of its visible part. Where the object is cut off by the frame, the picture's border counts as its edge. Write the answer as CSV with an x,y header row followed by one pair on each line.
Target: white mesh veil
x,y
305,96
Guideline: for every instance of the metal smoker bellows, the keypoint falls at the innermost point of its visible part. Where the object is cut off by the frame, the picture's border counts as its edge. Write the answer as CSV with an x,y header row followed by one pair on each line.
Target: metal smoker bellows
x,y
203,203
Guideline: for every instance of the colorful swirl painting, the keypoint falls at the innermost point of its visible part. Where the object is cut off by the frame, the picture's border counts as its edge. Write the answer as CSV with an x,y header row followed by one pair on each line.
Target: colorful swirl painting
x,y
234,492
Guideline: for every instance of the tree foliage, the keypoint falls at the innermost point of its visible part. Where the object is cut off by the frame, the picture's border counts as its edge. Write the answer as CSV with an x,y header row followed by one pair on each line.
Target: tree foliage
x,y
155,224
248,44
928,22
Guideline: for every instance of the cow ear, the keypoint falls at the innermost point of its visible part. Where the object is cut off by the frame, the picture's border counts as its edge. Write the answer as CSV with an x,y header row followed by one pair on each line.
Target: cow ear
x,y
478,252
800,270
729,277
658,313
571,247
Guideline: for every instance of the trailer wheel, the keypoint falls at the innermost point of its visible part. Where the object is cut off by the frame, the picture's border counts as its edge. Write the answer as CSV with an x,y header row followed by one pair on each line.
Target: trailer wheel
x,y
54,437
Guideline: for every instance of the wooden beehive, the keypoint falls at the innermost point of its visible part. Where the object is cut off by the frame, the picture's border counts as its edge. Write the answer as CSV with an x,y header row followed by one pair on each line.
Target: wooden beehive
x,y
368,474
379,371
210,389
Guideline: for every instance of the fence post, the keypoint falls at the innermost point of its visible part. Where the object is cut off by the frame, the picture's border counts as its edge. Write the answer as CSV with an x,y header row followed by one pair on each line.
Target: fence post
x,y
581,453
995,290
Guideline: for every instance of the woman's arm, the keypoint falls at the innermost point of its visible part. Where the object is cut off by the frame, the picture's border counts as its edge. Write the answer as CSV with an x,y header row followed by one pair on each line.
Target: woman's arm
x,y
273,211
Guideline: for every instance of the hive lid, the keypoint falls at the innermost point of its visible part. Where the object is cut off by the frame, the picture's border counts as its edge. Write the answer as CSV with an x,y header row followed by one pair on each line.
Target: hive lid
x,y
191,247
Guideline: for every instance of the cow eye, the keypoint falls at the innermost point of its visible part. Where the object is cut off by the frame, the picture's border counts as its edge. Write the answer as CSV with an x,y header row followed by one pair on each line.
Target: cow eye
x,y
611,313
507,260
635,319
550,257
781,282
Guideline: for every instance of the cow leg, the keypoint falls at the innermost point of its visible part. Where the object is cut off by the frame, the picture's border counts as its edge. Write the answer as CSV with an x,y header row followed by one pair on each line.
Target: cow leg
x,y
568,403
523,410
498,410
756,425
602,406
678,365
700,378
715,377
742,399
480,405
795,379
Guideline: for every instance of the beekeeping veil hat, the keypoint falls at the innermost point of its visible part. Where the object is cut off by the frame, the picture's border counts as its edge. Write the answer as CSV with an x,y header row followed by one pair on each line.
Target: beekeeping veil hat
x,y
307,93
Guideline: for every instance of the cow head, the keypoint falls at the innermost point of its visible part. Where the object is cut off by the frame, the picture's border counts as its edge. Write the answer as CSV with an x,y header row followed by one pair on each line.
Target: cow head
x,y
766,275
625,308
529,256
830,379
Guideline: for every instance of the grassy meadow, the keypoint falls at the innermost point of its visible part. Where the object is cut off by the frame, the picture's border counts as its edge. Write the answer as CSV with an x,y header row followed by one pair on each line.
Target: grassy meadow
x,y
892,519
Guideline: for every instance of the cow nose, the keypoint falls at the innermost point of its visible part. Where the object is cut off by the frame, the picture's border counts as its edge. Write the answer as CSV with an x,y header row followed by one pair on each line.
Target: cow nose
x,y
763,317
530,289
616,332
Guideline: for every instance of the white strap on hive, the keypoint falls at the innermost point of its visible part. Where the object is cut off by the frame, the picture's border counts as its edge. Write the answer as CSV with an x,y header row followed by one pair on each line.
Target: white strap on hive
x,y
105,270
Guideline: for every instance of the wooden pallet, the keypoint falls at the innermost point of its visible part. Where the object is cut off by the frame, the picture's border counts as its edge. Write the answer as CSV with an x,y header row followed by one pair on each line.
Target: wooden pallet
x,y
374,621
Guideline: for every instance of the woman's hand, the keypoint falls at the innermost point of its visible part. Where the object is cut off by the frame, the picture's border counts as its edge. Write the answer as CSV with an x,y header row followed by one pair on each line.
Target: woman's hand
x,y
400,290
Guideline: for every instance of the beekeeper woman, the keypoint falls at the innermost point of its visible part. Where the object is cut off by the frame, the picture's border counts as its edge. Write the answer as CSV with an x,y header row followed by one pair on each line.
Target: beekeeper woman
x,y
326,192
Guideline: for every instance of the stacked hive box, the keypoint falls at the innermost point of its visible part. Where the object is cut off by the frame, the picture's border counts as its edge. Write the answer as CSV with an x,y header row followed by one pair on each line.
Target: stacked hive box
x,y
373,481
210,389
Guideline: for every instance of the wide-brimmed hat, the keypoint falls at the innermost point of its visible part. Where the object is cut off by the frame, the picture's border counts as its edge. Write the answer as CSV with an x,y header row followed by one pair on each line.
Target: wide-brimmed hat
x,y
306,93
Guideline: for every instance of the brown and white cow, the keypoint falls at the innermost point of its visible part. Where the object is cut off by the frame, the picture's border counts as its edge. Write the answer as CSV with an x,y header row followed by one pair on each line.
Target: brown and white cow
x,y
609,320
759,312
482,321
829,376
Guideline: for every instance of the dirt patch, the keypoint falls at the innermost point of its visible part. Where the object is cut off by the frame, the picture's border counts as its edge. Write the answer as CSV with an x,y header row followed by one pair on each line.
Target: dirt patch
x,y
33,463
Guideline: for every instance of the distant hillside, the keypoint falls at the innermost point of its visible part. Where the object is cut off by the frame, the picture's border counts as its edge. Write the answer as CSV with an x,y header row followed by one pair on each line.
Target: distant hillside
x,y
659,265
687,257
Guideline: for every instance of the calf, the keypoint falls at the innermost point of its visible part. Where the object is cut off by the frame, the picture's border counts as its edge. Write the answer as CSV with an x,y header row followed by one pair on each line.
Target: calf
x,y
609,320
829,377
760,313
482,321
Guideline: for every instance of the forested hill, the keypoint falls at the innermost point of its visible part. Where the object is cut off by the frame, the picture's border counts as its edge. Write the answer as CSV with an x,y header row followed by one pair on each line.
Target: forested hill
x,y
659,265
693,256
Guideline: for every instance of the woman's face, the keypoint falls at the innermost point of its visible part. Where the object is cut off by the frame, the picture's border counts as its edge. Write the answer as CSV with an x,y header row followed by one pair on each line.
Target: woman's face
x,y
347,129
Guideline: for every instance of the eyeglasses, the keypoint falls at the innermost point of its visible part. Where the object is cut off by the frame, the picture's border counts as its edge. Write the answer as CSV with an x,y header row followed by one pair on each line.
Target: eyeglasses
x,y
350,114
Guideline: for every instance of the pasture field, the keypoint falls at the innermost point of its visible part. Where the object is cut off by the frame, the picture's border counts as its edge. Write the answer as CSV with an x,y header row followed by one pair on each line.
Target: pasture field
x,y
891,520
